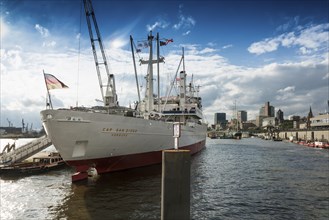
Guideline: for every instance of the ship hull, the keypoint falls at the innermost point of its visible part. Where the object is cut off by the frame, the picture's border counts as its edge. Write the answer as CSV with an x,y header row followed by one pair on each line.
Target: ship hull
x,y
114,142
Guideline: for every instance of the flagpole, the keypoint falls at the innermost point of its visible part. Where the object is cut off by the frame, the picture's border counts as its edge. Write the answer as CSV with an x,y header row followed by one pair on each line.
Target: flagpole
x,y
50,103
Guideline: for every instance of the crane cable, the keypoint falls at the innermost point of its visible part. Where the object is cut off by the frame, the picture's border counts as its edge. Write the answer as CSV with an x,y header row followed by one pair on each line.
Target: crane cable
x,y
79,52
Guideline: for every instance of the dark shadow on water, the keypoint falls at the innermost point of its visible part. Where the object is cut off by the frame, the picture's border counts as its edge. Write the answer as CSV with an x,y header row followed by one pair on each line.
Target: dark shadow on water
x,y
18,176
130,194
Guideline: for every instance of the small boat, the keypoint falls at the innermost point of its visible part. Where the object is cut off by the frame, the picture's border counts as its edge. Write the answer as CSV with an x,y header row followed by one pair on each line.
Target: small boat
x,y
38,165
277,139
237,135
325,146
212,135
311,144
319,144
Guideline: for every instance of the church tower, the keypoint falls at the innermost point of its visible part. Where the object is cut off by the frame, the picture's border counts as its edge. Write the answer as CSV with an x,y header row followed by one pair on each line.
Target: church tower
x,y
309,116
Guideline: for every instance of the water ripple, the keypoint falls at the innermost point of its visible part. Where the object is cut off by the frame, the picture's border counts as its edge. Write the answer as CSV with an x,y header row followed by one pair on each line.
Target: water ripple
x,y
246,179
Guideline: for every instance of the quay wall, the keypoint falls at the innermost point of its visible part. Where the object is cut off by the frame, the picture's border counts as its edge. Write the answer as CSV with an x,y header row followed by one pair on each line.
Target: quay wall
x,y
304,134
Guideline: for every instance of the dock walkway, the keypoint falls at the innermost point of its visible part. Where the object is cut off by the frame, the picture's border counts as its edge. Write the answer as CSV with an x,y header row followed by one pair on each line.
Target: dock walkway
x,y
25,151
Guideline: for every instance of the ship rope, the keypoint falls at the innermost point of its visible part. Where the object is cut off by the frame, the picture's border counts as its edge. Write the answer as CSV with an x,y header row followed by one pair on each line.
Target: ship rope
x,y
141,78
170,85
79,52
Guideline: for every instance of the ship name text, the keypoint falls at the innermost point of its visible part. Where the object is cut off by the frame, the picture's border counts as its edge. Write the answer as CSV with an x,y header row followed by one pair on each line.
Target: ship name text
x,y
119,131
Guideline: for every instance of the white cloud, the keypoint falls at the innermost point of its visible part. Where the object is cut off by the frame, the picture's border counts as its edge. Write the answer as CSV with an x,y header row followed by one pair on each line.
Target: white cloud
x,y
287,40
304,51
313,37
309,40
227,46
283,85
45,34
184,22
290,86
285,93
211,44
49,44
207,50
43,31
12,58
186,33
291,23
158,24
267,45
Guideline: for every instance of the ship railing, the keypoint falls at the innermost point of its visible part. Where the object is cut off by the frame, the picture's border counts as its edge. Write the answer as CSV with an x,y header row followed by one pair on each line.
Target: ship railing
x,y
192,112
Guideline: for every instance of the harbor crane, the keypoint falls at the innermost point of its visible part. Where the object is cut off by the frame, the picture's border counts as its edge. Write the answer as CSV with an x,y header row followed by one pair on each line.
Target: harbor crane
x,y
110,97
9,123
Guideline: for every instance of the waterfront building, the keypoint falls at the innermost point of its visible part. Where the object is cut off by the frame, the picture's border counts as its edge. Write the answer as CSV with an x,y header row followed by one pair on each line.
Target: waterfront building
x,y
294,117
259,120
220,120
320,121
287,124
249,125
242,116
302,125
296,124
279,116
269,122
295,121
267,110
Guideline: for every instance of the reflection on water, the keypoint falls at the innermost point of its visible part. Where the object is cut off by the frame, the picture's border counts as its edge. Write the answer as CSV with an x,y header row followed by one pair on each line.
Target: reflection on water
x,y
230,179
256,179
132,194
33,197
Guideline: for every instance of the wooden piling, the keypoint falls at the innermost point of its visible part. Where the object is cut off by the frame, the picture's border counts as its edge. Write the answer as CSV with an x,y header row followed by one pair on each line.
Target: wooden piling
x,y
175,190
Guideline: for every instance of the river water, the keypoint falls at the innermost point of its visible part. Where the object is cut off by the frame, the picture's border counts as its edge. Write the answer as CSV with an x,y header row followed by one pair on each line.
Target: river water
x,y
231,179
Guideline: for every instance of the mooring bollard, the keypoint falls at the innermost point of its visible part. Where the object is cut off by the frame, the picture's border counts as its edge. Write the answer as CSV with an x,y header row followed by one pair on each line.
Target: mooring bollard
x,y
175,189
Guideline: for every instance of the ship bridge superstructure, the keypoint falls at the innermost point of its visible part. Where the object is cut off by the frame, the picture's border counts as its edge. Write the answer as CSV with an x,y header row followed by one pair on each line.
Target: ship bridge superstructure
x,y
186,106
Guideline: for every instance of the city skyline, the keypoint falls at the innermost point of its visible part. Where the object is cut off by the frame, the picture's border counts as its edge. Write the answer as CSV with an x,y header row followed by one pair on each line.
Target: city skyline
x,y
278,113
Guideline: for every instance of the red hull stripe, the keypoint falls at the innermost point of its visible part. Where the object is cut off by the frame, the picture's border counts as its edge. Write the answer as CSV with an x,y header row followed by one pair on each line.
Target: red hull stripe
x,y
110,164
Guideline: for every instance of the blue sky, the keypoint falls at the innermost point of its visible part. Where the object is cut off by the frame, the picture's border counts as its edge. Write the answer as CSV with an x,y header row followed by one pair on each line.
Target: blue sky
x,y
248,51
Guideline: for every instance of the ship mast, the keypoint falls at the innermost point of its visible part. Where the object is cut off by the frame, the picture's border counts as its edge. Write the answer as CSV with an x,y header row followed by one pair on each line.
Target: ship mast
x,y
110,97
158,68
149,91
182,85
149,98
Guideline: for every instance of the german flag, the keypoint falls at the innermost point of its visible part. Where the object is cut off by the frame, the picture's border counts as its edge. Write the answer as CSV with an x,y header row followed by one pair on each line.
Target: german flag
x,y
53,83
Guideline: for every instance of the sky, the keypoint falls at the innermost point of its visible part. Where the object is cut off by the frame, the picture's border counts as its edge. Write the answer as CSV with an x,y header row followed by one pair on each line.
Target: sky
x,y
244,52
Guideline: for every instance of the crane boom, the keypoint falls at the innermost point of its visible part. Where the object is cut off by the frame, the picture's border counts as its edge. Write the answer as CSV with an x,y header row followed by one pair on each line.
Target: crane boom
x,y
108,87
